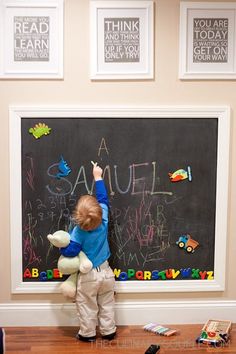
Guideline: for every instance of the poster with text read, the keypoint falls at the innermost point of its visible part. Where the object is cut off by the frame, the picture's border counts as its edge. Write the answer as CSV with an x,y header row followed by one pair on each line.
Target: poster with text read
x,y
31,38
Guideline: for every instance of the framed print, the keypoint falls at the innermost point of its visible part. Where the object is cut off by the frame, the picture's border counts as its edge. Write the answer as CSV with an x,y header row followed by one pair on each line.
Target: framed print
x,y
121,39
168,201
207,40
31,39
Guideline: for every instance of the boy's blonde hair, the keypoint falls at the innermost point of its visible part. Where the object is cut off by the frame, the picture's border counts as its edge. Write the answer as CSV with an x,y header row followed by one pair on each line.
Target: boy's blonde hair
x,y
88,213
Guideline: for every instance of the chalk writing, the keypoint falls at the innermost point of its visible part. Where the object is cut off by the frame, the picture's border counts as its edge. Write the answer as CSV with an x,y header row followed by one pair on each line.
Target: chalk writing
x,y
145,225
30,172
103,146
139,180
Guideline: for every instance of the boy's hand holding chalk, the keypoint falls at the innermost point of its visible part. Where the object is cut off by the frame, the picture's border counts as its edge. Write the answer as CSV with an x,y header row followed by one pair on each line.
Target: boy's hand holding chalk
x,y
97,171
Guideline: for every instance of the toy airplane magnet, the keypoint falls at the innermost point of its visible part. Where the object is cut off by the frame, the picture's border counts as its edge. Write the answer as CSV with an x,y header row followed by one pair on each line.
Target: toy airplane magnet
x,y
181,175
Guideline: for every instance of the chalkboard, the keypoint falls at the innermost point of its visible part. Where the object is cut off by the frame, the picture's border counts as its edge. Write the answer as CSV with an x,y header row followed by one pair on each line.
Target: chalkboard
x,y
161,177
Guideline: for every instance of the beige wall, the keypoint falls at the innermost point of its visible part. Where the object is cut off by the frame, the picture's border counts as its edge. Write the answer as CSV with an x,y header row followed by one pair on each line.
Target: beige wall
x,y
77,89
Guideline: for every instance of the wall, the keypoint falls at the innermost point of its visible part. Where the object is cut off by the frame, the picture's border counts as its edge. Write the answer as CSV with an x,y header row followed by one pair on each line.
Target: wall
x,y
77,89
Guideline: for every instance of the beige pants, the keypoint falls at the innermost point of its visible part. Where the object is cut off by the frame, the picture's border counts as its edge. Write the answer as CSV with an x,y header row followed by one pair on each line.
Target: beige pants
x,y
95,301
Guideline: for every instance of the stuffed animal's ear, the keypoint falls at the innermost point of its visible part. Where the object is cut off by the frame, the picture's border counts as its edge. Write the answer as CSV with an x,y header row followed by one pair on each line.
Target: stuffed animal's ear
x,y
68,265
85,264
59,238
68,287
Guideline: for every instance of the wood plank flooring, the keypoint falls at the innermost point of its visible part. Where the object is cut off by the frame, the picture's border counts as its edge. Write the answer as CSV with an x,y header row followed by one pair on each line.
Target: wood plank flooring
x,y
130,339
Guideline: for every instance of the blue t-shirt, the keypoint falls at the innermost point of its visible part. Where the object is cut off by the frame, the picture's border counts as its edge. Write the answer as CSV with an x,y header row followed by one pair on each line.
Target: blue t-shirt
x,y
93,243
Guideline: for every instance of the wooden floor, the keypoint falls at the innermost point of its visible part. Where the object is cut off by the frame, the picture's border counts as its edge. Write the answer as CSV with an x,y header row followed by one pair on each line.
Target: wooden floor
x,y
130,339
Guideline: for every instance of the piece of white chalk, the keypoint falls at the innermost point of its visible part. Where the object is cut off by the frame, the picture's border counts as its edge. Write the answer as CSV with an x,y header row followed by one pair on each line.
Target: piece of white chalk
x,y
94,163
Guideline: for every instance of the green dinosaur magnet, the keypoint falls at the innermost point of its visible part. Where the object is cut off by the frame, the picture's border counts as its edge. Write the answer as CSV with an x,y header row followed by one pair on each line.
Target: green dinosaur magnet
x,y
39,130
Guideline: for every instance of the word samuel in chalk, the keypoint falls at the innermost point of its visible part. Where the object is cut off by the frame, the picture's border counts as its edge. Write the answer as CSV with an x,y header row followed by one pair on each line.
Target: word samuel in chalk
x,y
142,178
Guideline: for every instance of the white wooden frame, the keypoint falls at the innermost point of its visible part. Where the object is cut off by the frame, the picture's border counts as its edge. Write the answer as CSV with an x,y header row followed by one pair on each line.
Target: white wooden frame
x,y
31,39
207,50
102,65
223,116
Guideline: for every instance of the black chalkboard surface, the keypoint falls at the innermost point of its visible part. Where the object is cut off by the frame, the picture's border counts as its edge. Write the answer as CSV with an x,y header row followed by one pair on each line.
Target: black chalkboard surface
x,y
149,211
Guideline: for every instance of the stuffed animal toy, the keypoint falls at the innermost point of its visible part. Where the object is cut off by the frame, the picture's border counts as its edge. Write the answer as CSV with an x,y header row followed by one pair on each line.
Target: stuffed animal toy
x,y
69,265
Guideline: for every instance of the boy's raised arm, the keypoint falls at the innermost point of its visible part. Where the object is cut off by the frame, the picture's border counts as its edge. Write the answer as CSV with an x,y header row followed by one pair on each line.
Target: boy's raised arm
x,y
100,188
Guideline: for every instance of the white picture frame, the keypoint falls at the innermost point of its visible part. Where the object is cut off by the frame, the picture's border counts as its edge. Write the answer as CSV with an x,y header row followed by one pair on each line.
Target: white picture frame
x,y
207,48
221,113
121,42
31,39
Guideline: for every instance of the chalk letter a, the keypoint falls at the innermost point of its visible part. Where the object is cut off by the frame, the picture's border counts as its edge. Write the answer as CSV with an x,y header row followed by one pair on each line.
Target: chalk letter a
x,y
103,146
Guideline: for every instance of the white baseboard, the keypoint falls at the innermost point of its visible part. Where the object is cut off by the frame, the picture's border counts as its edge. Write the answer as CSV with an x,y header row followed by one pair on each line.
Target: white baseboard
x,y
127,313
